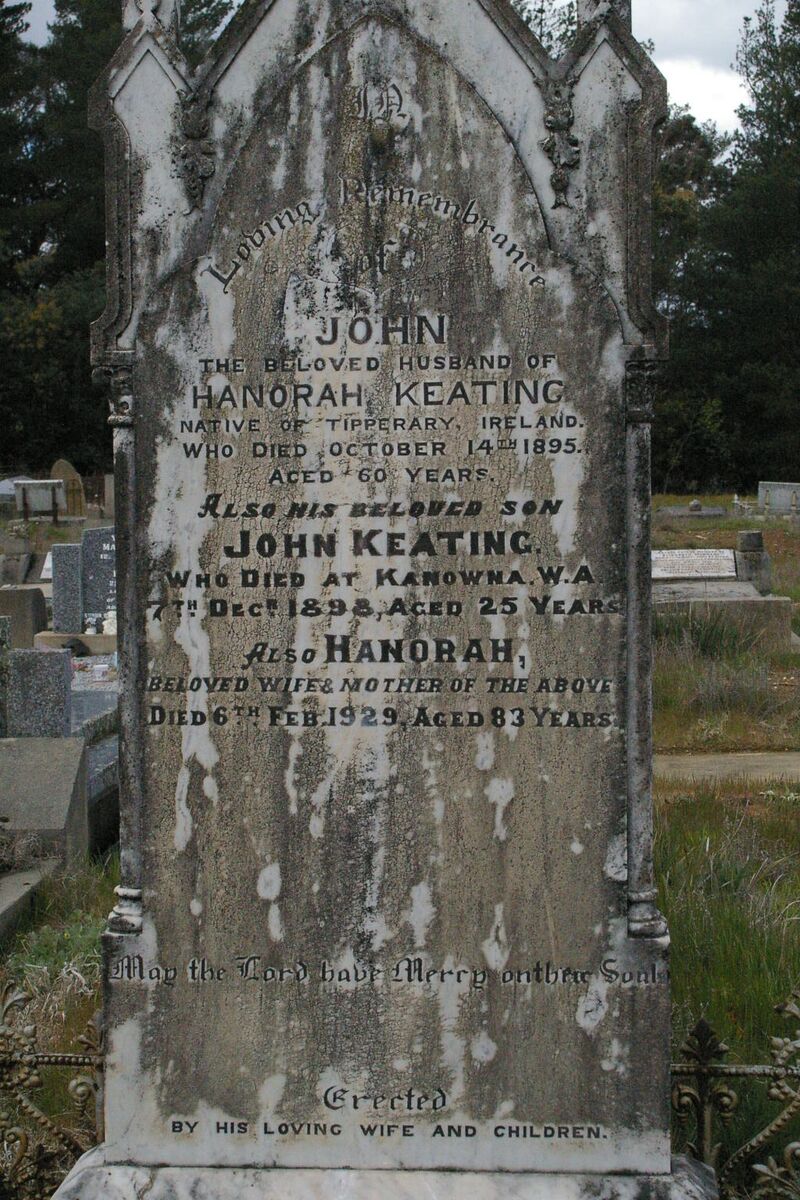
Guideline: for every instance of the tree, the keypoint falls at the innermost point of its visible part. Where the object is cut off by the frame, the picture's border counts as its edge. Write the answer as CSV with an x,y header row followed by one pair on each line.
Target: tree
x,y
735,298
19,100
553,23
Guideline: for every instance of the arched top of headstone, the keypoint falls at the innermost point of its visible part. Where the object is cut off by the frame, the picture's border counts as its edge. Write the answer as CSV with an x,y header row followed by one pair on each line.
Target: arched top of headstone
x,y
592,10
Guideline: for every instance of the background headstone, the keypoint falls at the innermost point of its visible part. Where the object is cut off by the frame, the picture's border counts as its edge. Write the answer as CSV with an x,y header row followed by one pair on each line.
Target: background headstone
x,y
752,561
779,499
39,695
27,608
99,580
40,498
694,564
74,494
67,588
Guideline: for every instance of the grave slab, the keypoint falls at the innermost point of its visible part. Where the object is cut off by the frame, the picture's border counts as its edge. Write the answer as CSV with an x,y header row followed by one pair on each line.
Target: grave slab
x,y
27,608
694,564
18,891
767,619
43,791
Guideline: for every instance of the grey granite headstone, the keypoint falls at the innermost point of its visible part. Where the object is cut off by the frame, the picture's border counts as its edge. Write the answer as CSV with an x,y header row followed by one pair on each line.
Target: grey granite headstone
x,y
99,579
39,693
387,920
779,499
27,609
67,588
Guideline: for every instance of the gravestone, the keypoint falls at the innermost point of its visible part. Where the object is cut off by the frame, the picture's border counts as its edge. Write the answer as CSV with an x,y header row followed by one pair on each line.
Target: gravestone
x,y
753,563
694,564
40,498
39,694
67,588
381,354
27,609
99,578
74,494
779,499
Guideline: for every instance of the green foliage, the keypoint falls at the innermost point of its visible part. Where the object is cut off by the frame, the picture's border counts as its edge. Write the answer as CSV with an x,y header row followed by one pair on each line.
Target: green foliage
x,y
728,276
50,408
553,23
201,21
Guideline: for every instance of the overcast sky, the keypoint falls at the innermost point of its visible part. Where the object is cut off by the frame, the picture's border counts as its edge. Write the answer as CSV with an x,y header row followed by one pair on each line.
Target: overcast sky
x,y
695,44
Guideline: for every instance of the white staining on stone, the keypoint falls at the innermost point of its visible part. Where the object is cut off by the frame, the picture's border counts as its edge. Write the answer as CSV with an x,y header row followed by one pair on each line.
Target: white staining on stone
x,y
270,1094
290,777
421,913
484,755
269,882
616,864
495,948
482,1048
577,847
275,923
594,1004
195,907
453,1047
500,793
617,1060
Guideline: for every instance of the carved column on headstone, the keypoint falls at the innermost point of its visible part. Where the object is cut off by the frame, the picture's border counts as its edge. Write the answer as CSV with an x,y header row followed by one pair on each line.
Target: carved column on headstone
x,y
644,919
589,10
118,377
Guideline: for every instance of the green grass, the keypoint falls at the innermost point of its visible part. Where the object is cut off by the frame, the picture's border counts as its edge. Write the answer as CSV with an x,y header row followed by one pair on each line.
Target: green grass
x,y
728,868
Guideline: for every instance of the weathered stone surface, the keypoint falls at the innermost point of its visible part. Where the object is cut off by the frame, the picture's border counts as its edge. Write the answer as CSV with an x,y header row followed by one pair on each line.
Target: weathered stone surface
x,y
39,694
74,494
779,498
99,579
91,1180
27,609
18,891
43,789
766,620
381,356
753,564
694,564
5,646
40,497
67,588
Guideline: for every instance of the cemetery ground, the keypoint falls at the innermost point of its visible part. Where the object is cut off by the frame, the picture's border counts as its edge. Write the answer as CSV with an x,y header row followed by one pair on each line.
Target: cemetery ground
x,y
717,689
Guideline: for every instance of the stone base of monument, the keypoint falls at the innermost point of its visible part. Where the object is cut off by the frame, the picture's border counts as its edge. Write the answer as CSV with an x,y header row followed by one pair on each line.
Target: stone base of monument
x,y
93,1179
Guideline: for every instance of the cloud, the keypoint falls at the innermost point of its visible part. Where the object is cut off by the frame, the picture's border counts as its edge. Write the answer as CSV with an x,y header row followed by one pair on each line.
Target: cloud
x,y
712,93
706,30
